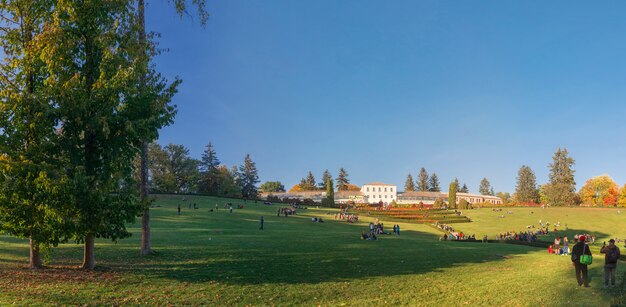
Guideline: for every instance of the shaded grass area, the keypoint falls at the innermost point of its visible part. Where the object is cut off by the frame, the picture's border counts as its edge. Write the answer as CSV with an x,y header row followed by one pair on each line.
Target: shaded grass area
x,y
219,258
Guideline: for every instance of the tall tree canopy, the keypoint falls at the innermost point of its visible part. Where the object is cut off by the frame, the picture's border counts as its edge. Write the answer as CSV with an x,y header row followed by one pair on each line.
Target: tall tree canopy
x,y
526,188
464,189
325,176
422,181
433,184
342,180
485,187
249,177
208,171
561,190
272,186
409,185
600,191
452,195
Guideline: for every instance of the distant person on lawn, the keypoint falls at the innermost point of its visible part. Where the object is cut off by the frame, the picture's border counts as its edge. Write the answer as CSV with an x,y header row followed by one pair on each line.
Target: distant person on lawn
x,y
262,221
611,256
178,209
581,269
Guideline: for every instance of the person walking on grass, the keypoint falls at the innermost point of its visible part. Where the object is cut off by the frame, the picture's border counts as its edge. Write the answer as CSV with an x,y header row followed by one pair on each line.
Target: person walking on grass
x,y
611,256
581,269
262,221
178,209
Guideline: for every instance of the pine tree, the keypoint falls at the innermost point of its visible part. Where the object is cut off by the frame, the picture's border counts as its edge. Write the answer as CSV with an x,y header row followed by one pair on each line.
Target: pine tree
x,y
464,189
526,188
434,183
456,184
248,178
208,168
329,200
422,181
452,195
309,181
342,180
561,190
325,178
485,187
409,185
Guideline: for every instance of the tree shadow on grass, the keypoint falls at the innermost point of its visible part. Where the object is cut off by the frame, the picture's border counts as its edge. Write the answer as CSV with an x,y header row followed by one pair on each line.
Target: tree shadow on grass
x,y
307,260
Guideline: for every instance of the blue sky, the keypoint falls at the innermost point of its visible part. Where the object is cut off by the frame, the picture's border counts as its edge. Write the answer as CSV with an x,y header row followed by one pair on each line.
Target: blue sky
x,y
466,89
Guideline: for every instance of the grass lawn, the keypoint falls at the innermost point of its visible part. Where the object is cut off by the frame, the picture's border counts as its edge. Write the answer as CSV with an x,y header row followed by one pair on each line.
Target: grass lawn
x,y
219,258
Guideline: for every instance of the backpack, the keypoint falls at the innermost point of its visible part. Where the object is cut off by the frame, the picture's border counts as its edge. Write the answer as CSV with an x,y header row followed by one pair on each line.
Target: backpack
x,y
612,256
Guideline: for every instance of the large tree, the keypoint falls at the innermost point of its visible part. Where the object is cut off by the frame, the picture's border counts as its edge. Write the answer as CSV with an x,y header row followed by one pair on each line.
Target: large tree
x,y
561,189
456,184
464,189
485,187
93,57
621,197
172,169
526,188
422,181
342,180
208,171
249,177
31,178
329,200
433,183
409,185
146,75
600,191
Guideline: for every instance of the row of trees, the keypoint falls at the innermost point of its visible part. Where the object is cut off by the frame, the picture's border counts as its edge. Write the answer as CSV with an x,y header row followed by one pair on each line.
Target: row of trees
x,y
309,183
172,170
561,187
423,183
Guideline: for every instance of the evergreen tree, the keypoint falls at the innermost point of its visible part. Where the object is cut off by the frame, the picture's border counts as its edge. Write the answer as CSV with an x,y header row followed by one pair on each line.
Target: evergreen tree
x,y
422,181
248,178
434,183
485,187
310,181
325,178
456,184
342,180
208,169
464,189
329,200
561,190
526,188
409,185
452,195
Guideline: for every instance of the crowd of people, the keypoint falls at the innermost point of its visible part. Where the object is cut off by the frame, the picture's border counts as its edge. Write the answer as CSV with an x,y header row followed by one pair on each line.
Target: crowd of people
x,y
524,236
348,217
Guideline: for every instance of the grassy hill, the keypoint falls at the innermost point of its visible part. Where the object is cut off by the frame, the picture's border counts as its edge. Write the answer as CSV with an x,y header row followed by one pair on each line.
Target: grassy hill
x,y
222,258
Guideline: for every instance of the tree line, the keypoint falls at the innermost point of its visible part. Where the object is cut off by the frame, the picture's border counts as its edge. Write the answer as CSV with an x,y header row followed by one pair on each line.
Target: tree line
x,y
172,170
308,183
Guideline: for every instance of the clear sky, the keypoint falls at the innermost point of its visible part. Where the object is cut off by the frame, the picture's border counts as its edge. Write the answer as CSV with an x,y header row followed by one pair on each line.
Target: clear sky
x,y
466,89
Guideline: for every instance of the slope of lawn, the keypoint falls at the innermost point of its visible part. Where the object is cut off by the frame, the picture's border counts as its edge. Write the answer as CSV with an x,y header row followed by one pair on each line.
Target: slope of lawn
x,y
218,258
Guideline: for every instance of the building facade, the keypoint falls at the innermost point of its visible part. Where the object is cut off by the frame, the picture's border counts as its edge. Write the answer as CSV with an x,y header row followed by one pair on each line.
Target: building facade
x,y
377,192
429,198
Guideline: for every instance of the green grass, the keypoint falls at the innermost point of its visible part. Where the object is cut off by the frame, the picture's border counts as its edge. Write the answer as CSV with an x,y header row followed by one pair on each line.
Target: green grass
x,y
218,258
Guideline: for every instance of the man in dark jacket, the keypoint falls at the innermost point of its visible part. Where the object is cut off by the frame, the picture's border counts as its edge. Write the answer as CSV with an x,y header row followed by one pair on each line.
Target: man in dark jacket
x,y
611,255
581,269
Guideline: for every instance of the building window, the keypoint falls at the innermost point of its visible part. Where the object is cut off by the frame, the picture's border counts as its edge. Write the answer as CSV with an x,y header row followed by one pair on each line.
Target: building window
x,y
385,189
390,189
368,189
379,189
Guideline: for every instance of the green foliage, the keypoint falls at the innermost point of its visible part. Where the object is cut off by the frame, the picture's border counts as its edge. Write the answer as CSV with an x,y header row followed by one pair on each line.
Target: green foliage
x,y
433,184
329,200
248,178
464,189
456,184
325,178
409,185
208,171
485,187
272,186
423,184
561,190
452,194
172,169
342,180
505,196
464,204
526,189
439,203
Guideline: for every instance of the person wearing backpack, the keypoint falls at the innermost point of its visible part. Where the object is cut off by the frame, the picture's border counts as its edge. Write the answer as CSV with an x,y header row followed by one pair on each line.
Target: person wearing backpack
x,y
581,269
611,255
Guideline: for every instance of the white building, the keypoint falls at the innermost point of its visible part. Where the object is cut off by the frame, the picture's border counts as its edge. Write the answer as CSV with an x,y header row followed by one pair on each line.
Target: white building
x,y
376,192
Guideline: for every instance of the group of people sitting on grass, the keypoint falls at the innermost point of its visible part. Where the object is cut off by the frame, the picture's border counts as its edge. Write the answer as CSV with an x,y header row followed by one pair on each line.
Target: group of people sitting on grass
x,y
378,228
317,220
524,236
286,211
453,236
348,217
444,227
560,246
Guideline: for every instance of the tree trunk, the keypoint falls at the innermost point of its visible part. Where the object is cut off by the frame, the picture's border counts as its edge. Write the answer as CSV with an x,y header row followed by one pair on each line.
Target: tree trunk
x,y
89,256
146,244
35,256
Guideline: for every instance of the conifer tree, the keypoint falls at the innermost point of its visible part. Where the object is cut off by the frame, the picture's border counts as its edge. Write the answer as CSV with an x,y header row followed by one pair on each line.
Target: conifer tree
x,y
485,187
325,176
208,168
434,183
452,195
422,181
409,185
526,188
561,189
248,178
464,189
342,180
